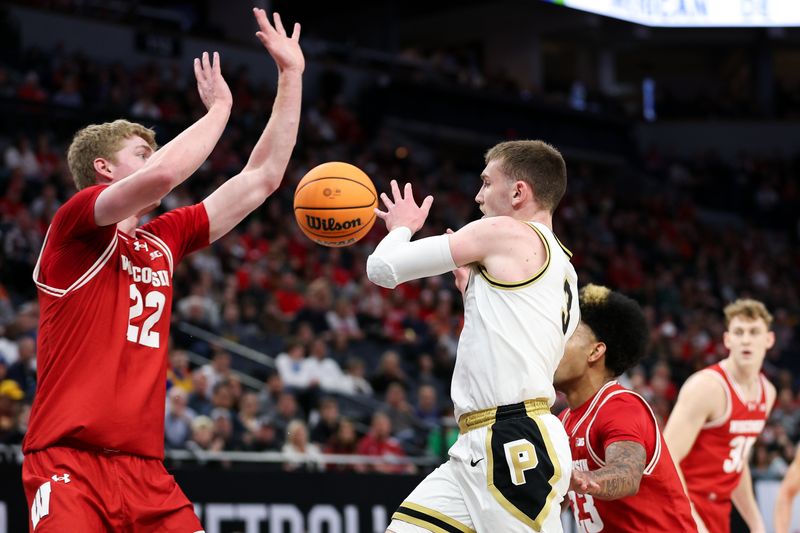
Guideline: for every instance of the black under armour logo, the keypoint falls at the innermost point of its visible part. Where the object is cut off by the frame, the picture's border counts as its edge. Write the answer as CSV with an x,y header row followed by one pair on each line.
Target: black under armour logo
x,y
473,462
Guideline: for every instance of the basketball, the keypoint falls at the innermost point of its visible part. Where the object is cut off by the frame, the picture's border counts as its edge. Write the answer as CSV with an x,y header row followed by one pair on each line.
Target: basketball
x,y
334,204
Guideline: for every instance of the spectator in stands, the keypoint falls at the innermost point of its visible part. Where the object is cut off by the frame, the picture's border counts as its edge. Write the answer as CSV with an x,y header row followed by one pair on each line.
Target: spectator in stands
x,y
199,398
291,367
401,413
270,392
264,438
318,300
300,454
287,410
389,371
178,373
344,442
354,380
380,443
177,419
11,396
322,371
23,371
427,408
219,369
328,423
342,319
247,419
203,437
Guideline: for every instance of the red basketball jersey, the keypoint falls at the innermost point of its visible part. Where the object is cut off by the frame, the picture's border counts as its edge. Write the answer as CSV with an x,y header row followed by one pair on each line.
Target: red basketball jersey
x,y
617,414
105,304
715,463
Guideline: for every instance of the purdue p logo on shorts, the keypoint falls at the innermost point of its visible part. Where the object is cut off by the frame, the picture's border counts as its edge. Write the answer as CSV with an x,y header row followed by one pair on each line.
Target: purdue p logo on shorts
x,y
520,456
522,468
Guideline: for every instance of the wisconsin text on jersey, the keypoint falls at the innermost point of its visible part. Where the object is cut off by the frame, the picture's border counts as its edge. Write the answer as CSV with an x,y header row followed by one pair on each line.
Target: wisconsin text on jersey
x,y
156,278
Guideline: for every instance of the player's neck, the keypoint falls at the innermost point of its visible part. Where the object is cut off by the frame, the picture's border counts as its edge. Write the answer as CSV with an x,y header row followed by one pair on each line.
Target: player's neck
x,y
745,377
129,225
535,215
585,389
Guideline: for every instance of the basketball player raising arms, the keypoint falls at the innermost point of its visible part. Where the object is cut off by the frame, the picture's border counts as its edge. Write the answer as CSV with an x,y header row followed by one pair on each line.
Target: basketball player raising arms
x,y
622,470
95,444
510,467
719,414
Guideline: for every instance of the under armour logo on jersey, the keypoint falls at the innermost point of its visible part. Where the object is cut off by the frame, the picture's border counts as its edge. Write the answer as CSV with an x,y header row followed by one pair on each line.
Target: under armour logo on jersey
x,y
580,442
64,478
155,255
140,245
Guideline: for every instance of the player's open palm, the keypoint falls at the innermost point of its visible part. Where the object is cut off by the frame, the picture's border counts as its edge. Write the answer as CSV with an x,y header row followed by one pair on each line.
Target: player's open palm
x,y
284,49
402,210
211,85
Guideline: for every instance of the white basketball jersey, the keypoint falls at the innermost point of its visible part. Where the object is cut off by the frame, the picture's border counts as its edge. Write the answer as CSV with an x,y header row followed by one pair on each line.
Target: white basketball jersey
x,y
514,333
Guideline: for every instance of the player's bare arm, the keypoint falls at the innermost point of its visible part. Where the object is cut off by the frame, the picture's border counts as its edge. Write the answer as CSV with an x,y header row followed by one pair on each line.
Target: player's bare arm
x,y
177,160
625,463
701,400
493,241
265,168
744,499
789,488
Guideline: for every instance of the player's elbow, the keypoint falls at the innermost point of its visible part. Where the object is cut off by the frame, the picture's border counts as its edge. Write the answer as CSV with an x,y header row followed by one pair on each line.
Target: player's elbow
x,y
636,481
380,272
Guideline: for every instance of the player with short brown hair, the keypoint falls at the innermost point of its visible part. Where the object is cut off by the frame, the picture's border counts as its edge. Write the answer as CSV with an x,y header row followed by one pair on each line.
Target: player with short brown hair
x,y
719,414
95,443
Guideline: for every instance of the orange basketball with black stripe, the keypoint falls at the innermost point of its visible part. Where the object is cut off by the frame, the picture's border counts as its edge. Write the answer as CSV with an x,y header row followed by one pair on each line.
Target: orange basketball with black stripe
x,y
334,204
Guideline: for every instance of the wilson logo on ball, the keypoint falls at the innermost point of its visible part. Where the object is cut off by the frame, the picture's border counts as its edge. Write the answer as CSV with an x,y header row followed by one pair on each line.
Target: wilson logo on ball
x,y
330,224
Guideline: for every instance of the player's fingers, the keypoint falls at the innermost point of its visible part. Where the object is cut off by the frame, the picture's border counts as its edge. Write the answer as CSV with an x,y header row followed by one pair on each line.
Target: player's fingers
x,y
426,204
206,64
296,32
395,191
276,18
198,73
217,67
449,231
261,19
388,203
408,193
262,37
381,214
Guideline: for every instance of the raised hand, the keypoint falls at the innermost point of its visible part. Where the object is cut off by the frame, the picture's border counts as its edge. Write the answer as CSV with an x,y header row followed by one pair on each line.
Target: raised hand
x,y
284,49
210,84
402,210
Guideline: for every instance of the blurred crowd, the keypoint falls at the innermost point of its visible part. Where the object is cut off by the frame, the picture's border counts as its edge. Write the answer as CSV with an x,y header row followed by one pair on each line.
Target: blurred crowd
x,y
358,369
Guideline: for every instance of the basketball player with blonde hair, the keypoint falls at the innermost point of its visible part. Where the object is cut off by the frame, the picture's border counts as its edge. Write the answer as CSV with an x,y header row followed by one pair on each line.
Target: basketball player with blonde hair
x,y
95,443
719,414
510,467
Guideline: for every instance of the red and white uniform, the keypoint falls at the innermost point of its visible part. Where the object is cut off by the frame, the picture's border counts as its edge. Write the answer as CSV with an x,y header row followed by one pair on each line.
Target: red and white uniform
x,y
714,465
105,304
616,414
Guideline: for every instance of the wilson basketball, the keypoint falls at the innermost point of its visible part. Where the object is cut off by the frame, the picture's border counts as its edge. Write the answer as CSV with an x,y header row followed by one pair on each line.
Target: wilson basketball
x,y
334,204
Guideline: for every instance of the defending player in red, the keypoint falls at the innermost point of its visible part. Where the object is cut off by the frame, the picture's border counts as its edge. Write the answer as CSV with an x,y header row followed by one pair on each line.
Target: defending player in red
x,y
719,414
623,478
95,444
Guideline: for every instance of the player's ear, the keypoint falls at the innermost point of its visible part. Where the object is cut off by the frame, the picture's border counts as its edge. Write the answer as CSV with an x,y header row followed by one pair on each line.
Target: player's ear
x,y
598,352
102,168
519,192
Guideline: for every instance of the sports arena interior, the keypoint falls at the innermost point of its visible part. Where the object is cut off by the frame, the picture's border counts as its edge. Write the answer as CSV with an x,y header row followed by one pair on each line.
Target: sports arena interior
x,y
683,153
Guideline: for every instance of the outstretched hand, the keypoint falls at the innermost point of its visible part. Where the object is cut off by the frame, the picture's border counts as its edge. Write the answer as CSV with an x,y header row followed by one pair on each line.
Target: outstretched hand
x,y
210,84
284,49
582,483
402,210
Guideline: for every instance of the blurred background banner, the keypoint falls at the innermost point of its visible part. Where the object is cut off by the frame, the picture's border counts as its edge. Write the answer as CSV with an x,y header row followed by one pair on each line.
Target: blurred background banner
x,y
694,13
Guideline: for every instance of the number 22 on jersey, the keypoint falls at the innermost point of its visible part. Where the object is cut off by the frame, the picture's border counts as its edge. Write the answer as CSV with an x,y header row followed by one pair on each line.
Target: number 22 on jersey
x,y
152,300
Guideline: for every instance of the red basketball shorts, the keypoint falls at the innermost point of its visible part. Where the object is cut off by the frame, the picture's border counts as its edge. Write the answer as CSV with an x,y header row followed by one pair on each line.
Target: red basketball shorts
x,y
76,490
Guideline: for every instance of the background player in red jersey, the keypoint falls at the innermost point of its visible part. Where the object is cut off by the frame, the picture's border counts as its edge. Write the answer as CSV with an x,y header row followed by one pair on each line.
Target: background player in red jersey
x,y
95,443
719,414
622,471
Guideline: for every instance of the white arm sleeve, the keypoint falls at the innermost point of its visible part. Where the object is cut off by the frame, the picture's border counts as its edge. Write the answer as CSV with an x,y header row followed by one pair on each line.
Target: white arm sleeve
x,y
396,259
